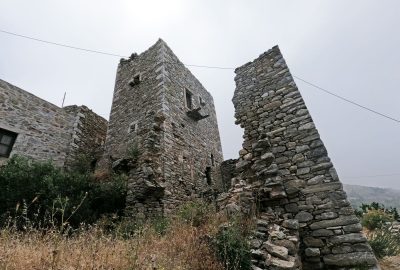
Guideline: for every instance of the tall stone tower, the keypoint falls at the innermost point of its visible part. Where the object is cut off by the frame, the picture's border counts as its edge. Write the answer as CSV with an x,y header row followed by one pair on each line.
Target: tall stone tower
x,y
162,114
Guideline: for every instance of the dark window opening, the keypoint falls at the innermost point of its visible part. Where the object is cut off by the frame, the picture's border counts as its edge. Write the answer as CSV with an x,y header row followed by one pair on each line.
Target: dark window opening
x,y
212,160
188,99
93,165
7,139
208,175
136,80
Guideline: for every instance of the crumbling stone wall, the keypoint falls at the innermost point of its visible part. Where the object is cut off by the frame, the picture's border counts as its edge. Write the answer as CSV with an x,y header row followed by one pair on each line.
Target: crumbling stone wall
x,y
285,168
46,131
178,152
88,137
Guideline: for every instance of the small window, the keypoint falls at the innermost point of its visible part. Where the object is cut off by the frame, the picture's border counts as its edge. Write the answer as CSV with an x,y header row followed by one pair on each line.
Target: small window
x,y
7,139
136,80
202,102
188,99
133,127
208,175
212,160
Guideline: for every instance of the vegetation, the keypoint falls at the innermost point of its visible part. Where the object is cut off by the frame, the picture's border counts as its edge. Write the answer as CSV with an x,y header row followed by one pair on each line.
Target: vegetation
x,y
42,194
232,247
180,247
55,219
376,219
378,222
384,242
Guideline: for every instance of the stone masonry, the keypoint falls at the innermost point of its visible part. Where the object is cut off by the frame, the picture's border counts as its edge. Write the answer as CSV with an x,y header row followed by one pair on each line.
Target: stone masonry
x,y
164,113
163,133
284,170
47,132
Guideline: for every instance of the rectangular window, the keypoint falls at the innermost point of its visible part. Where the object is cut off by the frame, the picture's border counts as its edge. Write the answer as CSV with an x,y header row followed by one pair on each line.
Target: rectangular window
x,y
188,99
7,139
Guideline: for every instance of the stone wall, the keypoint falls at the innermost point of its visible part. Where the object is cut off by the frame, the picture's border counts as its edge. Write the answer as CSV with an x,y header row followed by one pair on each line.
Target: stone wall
x,y
88,137
179,154
286,168
46,131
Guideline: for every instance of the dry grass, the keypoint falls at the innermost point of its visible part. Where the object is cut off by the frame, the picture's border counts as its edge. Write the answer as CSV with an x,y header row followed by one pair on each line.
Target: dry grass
x,y
182,247
390,263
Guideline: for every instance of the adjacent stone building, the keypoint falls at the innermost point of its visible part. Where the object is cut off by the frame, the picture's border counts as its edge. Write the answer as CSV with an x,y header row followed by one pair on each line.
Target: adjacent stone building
x,y
285,177
33,127
164,117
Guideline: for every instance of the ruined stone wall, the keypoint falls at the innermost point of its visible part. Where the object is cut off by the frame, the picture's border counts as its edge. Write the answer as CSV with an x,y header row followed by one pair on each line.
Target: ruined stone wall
x,y
88,137
174,150
44,130
282,147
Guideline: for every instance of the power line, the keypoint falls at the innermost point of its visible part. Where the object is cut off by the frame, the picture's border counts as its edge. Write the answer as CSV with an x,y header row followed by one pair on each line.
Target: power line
x,y
62,45
204,66
347,100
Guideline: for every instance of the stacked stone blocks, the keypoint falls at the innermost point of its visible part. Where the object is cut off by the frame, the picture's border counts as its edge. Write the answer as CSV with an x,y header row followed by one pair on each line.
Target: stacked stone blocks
x,y
284,160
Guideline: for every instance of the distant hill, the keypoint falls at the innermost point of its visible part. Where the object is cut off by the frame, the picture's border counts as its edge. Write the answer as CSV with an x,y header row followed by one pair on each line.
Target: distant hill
x,y
362,194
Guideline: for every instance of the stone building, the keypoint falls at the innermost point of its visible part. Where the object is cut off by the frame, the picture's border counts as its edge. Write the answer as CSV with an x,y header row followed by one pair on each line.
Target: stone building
x,y
33,127
163,132
285,177
162,115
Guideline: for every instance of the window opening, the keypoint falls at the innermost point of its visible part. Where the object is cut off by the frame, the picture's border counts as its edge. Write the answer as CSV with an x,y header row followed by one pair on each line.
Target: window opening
x,y
188,99
7,139
208,175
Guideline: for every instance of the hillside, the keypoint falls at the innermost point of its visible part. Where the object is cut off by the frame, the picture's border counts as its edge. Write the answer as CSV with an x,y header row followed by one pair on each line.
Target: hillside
x,y
362,194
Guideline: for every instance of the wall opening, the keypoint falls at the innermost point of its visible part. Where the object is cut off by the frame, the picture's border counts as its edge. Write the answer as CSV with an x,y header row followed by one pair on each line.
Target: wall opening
x,y
188,99
208,175
133,127
137,78
212,160
7,139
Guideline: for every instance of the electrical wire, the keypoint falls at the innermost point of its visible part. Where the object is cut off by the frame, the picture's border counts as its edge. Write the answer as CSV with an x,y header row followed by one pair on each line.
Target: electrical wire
x,y
209,67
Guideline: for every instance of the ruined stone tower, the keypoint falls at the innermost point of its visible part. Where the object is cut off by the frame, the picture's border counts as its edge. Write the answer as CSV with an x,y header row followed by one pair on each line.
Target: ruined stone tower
x,y
164,116
285,177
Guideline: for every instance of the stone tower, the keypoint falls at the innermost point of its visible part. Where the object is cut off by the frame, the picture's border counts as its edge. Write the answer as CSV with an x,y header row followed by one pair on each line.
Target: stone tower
x,y
163,115
286,172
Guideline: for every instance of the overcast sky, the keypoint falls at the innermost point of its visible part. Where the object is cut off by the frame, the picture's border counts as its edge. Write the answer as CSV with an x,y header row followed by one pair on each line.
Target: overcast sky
x,y
351,48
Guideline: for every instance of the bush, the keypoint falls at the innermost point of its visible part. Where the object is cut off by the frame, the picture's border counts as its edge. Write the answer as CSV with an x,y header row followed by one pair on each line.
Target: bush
x,y
375,219
44,194
384,242
195,212
232,247
365,208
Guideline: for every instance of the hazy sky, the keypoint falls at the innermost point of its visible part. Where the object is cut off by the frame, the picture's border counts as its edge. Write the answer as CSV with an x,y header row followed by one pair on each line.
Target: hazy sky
x,y
349,47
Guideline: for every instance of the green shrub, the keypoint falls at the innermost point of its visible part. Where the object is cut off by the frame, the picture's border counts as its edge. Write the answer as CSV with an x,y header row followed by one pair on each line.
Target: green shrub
x,y
384,242
232,247
160,225
375,219
133,151
195,212
52,195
